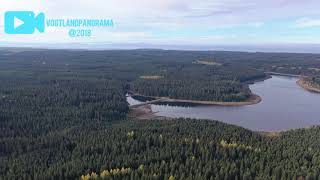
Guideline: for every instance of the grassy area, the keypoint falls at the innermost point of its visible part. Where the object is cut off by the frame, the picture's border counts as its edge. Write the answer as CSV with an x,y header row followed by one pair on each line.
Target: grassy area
x,y
210,63
151,77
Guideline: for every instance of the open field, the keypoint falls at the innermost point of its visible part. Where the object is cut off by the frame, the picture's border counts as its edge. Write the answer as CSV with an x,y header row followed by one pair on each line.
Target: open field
x,y
210,63
151,77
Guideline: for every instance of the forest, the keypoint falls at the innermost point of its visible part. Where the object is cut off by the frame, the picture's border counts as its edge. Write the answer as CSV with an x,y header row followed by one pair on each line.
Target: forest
x,y
316,80
206,90
64,115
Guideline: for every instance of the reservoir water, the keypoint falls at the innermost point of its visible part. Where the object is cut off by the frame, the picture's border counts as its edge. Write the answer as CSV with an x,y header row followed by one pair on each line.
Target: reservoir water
x,y
284,105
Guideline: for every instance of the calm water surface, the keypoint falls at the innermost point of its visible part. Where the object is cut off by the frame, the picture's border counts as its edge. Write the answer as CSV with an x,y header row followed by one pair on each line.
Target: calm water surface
x,y
284,106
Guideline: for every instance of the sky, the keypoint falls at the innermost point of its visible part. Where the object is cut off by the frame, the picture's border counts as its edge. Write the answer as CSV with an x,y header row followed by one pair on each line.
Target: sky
x,y
177,22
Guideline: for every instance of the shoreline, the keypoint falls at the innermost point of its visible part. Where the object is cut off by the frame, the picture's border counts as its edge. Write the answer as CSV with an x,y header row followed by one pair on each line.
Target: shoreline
x,y
253,99
284,74
307,86
271,134
251,82
145,113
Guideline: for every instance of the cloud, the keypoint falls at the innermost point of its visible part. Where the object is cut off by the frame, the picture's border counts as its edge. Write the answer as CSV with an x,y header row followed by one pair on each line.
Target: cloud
x,y
144,20
212,12
307,23
256,24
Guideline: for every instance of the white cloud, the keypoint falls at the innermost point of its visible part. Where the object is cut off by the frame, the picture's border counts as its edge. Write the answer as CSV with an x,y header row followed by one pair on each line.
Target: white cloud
x,y
307,23
139,20
256,24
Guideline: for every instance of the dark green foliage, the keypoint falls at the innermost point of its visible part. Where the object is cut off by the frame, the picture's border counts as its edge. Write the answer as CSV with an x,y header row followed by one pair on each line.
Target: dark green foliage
x,y
182,148
30,108
63,115
205,90
316,80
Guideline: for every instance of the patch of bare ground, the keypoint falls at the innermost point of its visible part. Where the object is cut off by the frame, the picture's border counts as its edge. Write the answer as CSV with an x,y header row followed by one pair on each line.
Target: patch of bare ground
x,y
270,134
207,62
253,99
143,112
151,77
308,85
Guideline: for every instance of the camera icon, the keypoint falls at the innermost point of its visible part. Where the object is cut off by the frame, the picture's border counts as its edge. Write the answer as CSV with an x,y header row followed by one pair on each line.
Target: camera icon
x,y
23,22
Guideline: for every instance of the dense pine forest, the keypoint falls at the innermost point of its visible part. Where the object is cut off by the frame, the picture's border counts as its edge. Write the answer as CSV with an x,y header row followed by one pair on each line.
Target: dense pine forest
x,y
63,115
184,149
206,90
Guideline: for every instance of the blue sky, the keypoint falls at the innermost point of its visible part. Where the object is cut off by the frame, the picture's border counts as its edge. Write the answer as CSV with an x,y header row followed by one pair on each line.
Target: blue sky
x,y
181,22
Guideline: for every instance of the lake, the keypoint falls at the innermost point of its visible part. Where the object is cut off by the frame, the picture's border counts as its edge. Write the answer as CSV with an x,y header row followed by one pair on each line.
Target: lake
x,y
284,105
